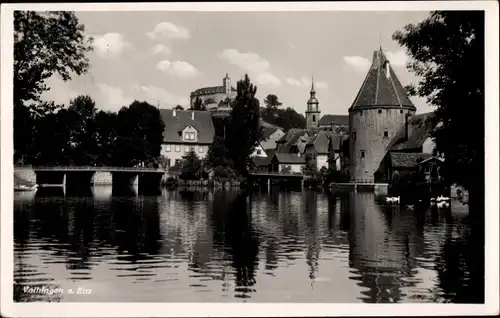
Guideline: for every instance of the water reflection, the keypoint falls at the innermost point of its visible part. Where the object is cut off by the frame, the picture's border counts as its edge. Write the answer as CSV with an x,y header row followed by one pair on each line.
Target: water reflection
x,y
234,246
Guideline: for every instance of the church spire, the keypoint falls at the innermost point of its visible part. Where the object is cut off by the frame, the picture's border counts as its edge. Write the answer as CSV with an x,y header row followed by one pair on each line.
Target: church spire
x,y
313,91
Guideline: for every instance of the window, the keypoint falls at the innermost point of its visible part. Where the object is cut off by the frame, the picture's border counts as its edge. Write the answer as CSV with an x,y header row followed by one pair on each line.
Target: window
x,y
189,136
177,148
362,153
186,149
380,111
314,118
259,152
168,149
354,135
386,134
200,149
401,111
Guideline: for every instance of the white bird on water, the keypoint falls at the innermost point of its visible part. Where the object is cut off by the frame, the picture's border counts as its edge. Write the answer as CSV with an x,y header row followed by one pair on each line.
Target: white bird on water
x,y
392,199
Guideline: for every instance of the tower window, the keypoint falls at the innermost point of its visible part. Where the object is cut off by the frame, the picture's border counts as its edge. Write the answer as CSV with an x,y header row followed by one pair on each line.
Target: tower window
x,y
401,111
380,111
314,118
386,134
354,135
362,153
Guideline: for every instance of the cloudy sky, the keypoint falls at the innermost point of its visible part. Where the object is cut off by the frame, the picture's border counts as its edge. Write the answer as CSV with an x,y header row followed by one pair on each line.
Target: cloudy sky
x,y
161,57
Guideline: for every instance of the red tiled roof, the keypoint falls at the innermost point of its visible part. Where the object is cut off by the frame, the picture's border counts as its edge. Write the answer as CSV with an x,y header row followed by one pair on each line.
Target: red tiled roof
x,y
381,90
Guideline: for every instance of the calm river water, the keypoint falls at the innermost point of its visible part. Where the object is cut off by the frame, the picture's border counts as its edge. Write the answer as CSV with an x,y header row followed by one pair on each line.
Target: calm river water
x,y
229,246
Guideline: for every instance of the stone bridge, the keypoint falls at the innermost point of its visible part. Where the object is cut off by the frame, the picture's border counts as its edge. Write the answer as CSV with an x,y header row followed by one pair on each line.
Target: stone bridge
x,y
85,176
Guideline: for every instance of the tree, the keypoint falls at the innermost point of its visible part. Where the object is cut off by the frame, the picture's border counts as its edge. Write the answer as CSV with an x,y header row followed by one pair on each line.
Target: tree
x,y
45,44
272,103
51,142
285,118
191,167
139,135
452,79
198,104
179,107
218,154
243,130
83,132
105,137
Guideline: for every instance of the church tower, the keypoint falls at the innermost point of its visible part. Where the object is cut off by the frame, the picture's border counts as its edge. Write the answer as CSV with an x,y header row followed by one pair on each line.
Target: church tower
x,y
376,114
312,112
226,82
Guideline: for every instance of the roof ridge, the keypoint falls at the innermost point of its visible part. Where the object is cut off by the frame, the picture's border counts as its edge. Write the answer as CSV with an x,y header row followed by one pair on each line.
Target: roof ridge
x,y
394,86
378,79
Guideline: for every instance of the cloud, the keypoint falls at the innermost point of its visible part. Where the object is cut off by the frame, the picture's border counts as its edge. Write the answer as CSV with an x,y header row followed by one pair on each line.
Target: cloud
x,y
359,63
154,94
178,69
306,82
293,81
161,49
253,63
112,97
268,79
110,45
398,58
167,30
248,61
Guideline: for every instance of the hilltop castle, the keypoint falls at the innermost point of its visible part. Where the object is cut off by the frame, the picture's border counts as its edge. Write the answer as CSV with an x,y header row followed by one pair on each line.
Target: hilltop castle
x,y
212,96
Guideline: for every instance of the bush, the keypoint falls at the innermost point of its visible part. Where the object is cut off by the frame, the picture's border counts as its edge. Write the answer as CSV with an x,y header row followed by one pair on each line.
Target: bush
x,y
225,172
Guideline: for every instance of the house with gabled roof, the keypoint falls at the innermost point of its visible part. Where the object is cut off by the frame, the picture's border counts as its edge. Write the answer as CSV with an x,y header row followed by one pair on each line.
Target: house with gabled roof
x,y
323,149
185,131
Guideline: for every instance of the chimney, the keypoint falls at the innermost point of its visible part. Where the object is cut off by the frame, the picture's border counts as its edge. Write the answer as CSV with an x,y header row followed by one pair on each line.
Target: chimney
x,y
192,115
173,113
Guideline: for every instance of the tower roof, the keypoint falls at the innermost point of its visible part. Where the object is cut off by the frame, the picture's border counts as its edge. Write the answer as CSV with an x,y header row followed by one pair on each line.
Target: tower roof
x,y
312,93
381,87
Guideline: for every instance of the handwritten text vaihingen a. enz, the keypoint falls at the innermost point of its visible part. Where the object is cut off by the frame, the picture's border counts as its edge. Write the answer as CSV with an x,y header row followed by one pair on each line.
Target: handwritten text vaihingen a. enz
x,y
55,291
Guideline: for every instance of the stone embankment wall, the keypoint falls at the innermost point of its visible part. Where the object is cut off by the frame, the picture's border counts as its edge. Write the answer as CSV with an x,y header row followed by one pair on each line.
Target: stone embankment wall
x,y
25,174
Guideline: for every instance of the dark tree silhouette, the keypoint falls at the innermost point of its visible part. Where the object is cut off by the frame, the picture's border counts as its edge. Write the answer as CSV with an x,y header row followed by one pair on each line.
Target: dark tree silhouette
x,y
243,130
198,104
452,78
272,102
45,44
139,135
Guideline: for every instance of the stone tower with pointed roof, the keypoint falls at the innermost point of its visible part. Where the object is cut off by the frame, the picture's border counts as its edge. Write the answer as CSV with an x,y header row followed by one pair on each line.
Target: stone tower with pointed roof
x,y
378,111
312,111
